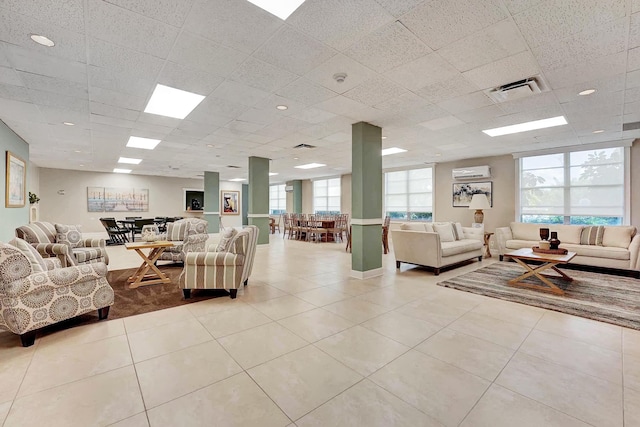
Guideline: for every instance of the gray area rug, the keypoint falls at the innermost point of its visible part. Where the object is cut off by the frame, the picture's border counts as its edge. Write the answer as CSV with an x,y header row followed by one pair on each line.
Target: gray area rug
x,y
602,297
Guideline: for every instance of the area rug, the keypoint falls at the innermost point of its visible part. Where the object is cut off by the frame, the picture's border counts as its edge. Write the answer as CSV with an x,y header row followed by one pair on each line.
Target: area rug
x,y
602,297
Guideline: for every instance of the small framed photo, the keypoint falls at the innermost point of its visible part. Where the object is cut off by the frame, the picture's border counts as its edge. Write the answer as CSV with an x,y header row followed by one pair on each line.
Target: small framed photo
x,y
230,202
16,182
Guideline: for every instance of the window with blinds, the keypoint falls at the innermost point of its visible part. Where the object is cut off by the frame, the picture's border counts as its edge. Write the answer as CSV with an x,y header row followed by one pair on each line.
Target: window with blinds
x,y
326,196
409,194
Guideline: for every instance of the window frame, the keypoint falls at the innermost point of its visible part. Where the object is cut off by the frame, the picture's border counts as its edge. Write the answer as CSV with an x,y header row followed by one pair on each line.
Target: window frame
x,y
282,196
326,206
408,193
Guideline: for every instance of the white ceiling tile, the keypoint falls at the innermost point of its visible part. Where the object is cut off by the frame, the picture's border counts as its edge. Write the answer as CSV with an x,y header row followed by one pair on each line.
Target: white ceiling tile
x,y
632,95
154,119
57,100
447,89
107,55
293,51
516,6
634,31
39,63
128,124
633,59
260,139
633,79
407,100
172,12
323,74
306,92
17,110
440,22
389,47
117,99
272,101
118,81
603,86
554,20
112,111
261,75
260,116
125,28
313,115
55,115
635,6
534,102
68,14
10,77
239,93
507,70
204,55
398,7
480,114
585,71
16,93
442,123
212,106
491,44
245,128
465,102
338,23
423,71
375,91
608,39
55,85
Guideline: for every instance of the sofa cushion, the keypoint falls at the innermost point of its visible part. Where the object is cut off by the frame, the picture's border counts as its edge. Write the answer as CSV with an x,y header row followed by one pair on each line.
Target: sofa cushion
x,y
37,232
458,232
566,233
445,230
225,239
525,231
69,235
460,246
514,244
35,259
428,226
595,251
592,235
414,226
618,236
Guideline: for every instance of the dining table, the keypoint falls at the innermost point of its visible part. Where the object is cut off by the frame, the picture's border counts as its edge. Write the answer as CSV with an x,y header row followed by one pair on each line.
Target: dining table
x,y
130,225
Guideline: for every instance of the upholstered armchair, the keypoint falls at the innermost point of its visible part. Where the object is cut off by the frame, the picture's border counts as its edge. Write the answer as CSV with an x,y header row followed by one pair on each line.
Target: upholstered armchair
x,y
221,269
67,245
35,292
187,235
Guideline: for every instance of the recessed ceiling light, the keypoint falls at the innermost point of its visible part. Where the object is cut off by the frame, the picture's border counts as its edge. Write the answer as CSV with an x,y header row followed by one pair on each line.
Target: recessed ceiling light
x,y
171,102
44,41
273,173
237,179
310,166
210,145
527,126
392,150
598,131
77,151
116,170
280,8
68,124
81,166
587,92
282,107
144,143
296,158
129,160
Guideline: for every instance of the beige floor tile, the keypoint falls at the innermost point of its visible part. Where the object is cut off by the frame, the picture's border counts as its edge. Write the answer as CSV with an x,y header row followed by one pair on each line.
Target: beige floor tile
x,y
168,377
325,279
631,342
54,366
235,320
435,313
156,318
508,311
590,399
83,334
500,407
139,420
15,360
4,410
597,333
480,357
356,310
499,332
279,308
404,329
253,294
214,305
631,407
322,296
447,297
166,339
303,380
450,394
578,355
294,285
316,324
362,350
389,297
99,400
356,286
236,401
366,404
260,344
632,372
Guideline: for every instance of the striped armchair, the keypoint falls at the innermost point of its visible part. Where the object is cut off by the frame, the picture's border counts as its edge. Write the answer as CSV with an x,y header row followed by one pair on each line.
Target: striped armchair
x,y
187,235
43,237
221,270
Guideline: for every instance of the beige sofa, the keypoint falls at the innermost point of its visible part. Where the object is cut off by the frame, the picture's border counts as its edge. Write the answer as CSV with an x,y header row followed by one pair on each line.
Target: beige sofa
x,y
420,244
619,249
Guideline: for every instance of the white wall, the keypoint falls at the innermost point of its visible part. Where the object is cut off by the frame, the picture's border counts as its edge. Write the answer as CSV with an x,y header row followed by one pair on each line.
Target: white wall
x,y
165,196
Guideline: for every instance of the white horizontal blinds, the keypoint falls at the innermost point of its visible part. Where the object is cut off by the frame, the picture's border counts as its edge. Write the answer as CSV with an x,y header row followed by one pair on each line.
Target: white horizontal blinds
x,y
326,195
409,194
277,199
583,183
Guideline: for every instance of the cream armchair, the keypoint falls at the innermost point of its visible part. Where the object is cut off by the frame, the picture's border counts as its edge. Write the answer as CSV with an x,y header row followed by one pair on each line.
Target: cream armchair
x,y
34,293
222,270
43,237
187,235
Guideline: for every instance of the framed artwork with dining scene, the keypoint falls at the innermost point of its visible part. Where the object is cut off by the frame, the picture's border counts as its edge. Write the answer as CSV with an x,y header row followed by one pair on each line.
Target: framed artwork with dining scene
x,y
463,192
230,202
16,182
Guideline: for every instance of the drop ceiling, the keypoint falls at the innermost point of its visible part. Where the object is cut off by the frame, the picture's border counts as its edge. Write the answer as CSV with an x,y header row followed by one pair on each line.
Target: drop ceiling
x,y
418,69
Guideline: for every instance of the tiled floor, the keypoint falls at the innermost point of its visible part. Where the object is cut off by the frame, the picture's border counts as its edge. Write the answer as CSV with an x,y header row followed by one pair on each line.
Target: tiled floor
x,y
306,345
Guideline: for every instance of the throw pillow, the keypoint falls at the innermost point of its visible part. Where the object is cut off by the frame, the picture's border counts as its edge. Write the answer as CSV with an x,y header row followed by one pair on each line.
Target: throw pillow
x,y
445,231
458,232
69,235
35,259
592,235
225,239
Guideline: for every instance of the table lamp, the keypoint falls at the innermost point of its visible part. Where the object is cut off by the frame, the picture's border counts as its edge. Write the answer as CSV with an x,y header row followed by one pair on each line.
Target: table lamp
x,y
479,202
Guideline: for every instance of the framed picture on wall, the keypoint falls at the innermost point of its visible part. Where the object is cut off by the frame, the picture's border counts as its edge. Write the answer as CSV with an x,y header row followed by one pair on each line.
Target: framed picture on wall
x,y
16,182
230,202
463,192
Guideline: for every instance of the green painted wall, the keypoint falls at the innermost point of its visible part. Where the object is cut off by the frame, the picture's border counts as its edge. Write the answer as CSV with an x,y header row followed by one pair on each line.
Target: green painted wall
x,y
212,200
245,204
297,196
259,196
11,218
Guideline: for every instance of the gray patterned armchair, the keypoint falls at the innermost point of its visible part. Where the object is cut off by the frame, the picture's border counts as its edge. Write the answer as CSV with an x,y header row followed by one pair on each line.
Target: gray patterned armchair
x,y
67,244
187,235
35,293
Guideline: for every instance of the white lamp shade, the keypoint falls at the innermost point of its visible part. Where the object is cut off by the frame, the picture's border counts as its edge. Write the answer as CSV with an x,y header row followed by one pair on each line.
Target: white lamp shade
x,y
479,201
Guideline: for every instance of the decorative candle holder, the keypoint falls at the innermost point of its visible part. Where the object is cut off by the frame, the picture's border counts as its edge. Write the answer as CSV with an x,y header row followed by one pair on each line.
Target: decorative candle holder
x,y
554,240
544,234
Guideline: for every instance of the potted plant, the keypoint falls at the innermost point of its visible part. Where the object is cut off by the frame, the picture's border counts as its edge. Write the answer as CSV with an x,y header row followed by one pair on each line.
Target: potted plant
x,y
33,198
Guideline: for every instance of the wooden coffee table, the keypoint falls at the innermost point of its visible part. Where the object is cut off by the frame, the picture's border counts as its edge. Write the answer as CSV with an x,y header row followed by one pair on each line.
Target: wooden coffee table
x,y
521,256
140,277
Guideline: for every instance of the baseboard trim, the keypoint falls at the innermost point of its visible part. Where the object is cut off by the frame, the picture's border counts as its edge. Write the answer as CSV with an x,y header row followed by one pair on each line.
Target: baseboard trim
x,y
367,274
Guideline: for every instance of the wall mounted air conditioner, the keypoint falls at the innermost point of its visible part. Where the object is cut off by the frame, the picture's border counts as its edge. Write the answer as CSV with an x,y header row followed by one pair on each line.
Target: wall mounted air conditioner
x,y
288,189
472,172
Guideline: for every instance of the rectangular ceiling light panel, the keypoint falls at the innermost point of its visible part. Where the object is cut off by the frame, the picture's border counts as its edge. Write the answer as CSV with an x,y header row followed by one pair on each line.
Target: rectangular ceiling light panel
x,y
129,160
392,150
527,126
116,170
171,102
280,8
310,166
237,179
144,143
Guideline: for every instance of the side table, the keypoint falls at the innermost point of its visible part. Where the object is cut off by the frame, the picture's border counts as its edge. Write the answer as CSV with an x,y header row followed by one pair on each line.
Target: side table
x,y
140,277
487,241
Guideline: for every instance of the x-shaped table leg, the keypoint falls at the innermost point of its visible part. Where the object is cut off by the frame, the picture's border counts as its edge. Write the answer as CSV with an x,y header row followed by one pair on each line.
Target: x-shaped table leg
x,y
537,272
138,278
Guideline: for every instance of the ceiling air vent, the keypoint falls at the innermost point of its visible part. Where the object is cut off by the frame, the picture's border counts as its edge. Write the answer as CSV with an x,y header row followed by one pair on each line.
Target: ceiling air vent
x,y
307,146
631,126
517,90
233,167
